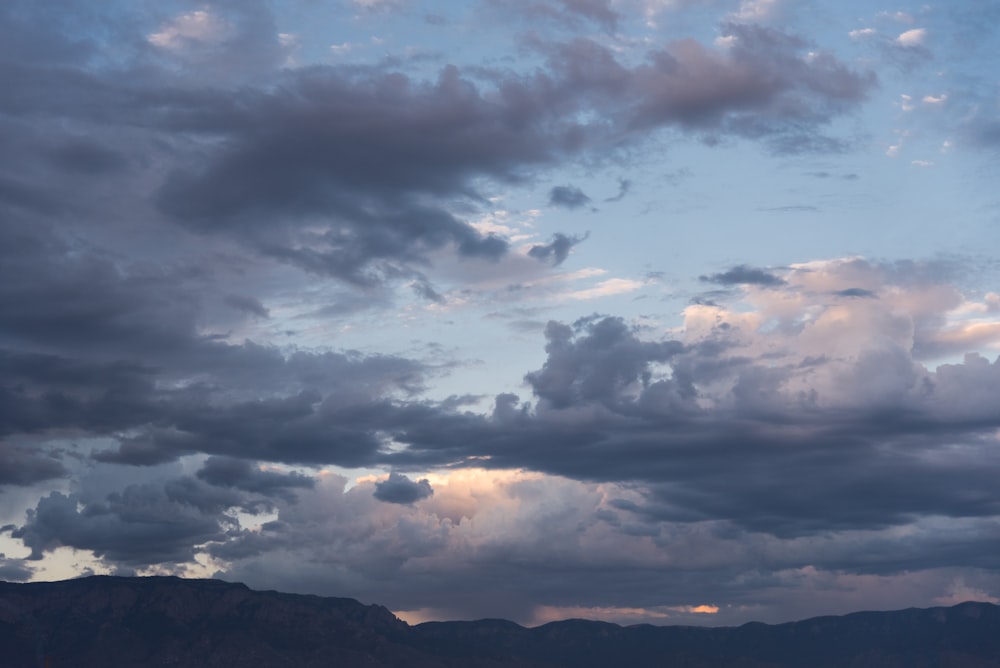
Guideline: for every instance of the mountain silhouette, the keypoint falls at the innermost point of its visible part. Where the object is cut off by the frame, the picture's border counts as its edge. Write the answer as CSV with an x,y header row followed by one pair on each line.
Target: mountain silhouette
x,y
126,622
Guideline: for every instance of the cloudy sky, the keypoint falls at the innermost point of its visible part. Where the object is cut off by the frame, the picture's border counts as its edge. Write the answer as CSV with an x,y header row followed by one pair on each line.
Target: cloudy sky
x,y
669,311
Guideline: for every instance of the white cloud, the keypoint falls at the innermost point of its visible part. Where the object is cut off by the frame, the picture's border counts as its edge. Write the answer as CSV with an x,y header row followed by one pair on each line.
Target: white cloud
x,y
921,163
198,28
894,149
912,38
507,225
935,100
725,41
756,10
861,33
612,286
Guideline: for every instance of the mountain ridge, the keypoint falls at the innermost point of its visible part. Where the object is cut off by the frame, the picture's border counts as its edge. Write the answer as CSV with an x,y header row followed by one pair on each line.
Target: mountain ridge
x,y
168,621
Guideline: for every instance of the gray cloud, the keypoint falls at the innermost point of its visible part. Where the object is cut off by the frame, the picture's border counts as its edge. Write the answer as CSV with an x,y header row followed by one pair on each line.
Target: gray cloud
x,y
24,466
569,197
14,570
381,156
398,488
247,304
856,292
241,474
137,526
135,200
556,250
624,186
613,407
597,366
761,88
744,275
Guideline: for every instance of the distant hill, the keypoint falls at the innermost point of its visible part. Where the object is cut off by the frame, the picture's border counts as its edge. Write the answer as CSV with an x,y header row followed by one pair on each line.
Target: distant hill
x,y
113,622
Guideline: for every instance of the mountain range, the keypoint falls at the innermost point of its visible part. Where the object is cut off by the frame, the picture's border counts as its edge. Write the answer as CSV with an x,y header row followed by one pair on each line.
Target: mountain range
x,y
126,622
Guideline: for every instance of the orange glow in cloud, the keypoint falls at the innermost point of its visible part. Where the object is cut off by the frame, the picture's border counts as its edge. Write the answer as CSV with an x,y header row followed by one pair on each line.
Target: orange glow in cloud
x,y
545,614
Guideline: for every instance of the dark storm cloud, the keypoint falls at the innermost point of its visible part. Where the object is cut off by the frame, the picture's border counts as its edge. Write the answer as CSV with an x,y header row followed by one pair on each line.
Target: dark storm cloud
x,y
81,299
744,275
353,172
94,319
356,173
305,428
137,526
40,392
26,466
14,570
557,250
154,522
241,474
569,197
368,151
398,488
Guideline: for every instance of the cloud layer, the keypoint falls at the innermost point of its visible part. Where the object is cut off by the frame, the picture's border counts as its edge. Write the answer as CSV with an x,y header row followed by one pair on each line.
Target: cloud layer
x,y
330,324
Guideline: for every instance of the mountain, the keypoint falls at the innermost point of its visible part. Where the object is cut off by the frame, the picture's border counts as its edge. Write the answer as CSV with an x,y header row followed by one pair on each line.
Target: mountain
x,y
115,622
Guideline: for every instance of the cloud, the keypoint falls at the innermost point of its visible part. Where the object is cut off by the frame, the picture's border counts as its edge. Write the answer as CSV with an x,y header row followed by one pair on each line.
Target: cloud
x,y
14,570
201,27
856,292
368,171
744,275
611,286
906,50
557,250
624,186
753,11
398,488
567,13
138,526
195,231
236,184
791,425
569,197
247,304
596,367
833,381
25,466
560,544
912,38
756,88
363,173
224,41
241,474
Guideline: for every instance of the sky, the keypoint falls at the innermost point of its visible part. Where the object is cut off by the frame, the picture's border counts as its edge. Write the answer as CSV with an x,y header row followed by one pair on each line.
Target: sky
x,y
648,311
